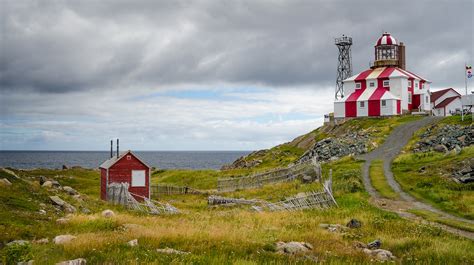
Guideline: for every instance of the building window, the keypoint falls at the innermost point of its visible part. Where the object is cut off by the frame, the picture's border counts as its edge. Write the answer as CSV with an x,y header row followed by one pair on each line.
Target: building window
x,y
372,84
385,83
138,178
357,85
362,104
427,99
423,86
416,84
384,103
409,83
409,97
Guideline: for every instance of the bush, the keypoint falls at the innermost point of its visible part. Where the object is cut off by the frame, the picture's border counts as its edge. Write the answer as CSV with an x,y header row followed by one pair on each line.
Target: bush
x,y
16,253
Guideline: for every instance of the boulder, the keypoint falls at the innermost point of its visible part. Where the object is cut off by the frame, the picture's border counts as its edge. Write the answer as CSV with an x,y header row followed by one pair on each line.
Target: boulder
x,y
307,179
63,239
42,180
79,261
374,244
293,247
65,167
108,213
133,243
70,190
47,184
440,148
354,223
64,205
55,184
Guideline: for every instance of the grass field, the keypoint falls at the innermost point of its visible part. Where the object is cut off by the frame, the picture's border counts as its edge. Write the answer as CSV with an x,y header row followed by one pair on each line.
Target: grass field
x,y
227,235
378,181
434,217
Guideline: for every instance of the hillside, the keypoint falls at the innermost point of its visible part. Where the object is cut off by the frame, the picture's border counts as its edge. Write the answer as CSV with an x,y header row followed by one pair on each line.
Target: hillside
x,y
233,234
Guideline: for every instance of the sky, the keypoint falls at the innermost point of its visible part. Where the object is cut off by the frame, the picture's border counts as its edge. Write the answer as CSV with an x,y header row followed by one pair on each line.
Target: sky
x,y
201,75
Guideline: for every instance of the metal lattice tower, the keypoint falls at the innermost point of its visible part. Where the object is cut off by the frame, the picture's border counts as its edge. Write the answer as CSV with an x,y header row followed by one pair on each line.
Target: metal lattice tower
x,y
344,67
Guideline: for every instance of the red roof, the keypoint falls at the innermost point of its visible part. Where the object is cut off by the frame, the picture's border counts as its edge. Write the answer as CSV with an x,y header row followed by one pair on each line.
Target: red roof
x,y
437,94
445,102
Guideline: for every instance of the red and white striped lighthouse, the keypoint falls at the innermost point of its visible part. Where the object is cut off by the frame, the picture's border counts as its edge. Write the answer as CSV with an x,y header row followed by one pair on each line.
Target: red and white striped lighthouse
x,y
385,89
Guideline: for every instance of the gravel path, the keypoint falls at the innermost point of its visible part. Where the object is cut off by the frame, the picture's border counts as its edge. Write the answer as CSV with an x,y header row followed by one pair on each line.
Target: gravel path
x,y
387,152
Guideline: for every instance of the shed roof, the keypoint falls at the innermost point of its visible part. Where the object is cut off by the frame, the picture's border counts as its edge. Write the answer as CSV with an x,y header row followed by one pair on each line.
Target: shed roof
x,y
111,161
445,102
437,94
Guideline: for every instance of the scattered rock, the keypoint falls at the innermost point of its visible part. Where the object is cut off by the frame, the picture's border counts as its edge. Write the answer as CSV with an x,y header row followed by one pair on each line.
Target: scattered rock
x,y
65,167
63,239
62,221
41,241
359,245
293,247
5,182
374,244
440,148
133,243
307,179
55,184
84,210
79,261
64,205
422,169
354,223
335,228
172,251
42,212
457,149
42,180
449,136
30,262
380,254
47,184
70,190
18,242
108,213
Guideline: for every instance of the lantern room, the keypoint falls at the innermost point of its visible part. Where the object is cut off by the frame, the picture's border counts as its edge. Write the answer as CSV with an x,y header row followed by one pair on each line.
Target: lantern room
x,y
388,52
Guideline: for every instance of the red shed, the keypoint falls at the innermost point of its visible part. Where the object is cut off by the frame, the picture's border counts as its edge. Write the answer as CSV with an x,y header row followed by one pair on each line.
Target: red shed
x,y
126,167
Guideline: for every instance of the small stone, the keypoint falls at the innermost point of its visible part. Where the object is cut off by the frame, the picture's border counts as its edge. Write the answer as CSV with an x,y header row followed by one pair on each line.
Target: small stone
x,y
5,182
63,239
70,190
85,210
354,223
55,184
133,243
359,245
42,212
62,221
65,167
440,148
457,149
108,213
18,242
79,261
374,244
172,251
42,180
293,247
47,184
30,262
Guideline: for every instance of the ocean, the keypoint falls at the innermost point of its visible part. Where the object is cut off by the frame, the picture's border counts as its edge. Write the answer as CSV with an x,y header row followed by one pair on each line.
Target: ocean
x,y
92,159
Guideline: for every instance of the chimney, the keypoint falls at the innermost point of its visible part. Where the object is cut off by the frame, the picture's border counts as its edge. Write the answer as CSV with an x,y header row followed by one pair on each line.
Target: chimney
x,y
401,56
111,148
117,148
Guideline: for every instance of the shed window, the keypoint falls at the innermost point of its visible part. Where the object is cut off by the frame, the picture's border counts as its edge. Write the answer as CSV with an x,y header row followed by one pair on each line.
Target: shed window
x,y
138,178
384,103
362,104
357,85
385,83
372,84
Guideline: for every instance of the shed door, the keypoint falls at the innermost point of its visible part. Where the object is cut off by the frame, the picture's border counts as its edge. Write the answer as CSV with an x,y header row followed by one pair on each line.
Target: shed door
x,y
138,178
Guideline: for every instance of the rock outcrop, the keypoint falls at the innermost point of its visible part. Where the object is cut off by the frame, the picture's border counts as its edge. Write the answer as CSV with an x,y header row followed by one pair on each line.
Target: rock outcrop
x,y
446,138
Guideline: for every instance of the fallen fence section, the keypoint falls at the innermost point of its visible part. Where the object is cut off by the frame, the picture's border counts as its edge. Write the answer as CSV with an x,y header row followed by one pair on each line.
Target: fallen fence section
x,y
309,200
169,190
118,193
310,171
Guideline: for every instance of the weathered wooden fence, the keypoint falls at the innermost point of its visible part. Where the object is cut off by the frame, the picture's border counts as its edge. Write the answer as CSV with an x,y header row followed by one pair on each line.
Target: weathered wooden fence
x,y
311,169
163,189
118,193
309,200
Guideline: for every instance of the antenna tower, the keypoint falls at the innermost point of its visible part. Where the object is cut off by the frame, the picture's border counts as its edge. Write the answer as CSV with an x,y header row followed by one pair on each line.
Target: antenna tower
x,y
344,67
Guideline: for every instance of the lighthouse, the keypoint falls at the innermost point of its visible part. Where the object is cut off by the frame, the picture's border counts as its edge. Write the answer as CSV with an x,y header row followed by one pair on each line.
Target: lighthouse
x,y
387,88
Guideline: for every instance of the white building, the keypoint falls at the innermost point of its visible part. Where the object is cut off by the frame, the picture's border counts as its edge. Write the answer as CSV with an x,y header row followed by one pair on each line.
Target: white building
x,y
446,102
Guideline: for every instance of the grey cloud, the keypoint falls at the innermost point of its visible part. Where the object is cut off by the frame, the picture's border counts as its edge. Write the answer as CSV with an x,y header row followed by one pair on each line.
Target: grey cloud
x,y
63,46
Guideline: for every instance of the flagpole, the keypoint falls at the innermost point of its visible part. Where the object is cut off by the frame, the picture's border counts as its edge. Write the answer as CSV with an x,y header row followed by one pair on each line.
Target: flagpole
x,y
465,76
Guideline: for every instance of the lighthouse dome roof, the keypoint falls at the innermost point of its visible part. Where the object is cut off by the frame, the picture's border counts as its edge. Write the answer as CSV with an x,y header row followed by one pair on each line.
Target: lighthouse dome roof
x,y
386,39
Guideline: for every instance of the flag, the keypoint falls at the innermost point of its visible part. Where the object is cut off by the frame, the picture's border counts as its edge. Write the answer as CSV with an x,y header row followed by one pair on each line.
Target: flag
x,y
469,71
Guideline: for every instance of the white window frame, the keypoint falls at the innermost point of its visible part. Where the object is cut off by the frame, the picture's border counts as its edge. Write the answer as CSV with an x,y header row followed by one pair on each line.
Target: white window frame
x,y
358,85
423,86
409,83
372,84
384,103
362,104
416,84
409,97
138,179
426,99
386,83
